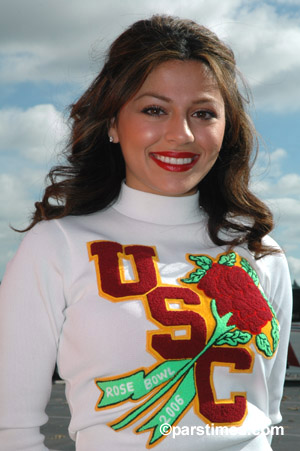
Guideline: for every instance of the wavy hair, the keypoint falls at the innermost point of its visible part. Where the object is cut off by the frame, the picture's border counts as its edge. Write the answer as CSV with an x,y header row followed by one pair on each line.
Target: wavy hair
x,y
92,176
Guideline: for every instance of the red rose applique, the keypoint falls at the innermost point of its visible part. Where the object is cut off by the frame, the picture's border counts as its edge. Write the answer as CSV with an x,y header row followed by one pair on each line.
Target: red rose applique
x,y
234,291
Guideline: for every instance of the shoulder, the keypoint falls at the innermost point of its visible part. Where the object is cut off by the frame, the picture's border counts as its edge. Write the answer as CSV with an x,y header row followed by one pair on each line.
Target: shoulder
x,y
57,232
44,235
274,264
58,238
274,275
45,242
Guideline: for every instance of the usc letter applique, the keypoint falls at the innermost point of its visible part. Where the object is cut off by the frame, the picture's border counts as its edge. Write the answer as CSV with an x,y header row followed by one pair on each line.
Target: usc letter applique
x,y
222,309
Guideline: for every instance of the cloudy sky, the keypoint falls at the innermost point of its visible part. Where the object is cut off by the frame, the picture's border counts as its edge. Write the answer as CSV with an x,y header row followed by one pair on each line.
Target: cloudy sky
x,y
51,49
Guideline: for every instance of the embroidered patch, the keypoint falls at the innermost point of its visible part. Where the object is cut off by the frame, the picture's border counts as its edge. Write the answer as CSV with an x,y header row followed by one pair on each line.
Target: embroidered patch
x,y
220,310
236,290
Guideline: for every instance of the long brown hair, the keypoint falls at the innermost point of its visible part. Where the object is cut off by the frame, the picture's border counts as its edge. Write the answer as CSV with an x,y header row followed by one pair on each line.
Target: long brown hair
x,y
92,177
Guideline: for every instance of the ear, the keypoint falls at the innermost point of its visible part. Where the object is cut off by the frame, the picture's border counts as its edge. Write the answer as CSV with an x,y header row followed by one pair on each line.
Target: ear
x,y
113,130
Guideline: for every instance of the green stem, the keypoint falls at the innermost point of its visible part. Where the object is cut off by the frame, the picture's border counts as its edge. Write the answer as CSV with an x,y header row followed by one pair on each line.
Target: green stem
x,y
221,327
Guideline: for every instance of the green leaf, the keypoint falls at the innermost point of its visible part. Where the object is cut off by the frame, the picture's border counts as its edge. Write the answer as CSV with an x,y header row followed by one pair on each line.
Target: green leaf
x,y
249,270
275,334
227,259
186,280
263,344
234,338
202,261
195,276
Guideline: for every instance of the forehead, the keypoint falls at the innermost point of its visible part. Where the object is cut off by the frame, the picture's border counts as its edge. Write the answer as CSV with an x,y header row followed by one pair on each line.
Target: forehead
x,y
181,76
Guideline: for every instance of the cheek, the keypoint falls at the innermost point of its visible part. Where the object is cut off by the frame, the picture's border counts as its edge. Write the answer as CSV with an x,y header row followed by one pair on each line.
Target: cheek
x,y
138,134
210,141
148,133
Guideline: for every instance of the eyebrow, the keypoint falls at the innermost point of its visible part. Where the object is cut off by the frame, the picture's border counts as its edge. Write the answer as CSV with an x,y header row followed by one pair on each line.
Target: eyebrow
x,y
204,99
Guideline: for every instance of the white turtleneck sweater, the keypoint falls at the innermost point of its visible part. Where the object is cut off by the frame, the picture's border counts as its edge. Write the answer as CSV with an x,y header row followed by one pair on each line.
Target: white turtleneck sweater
x,y
150,323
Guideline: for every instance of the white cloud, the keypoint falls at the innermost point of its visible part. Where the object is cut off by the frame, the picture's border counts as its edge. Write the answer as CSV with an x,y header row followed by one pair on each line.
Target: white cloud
x,y
29,140
57,47
272,187
278,155
294,265
33,133
286,212
10,241
268,180
17,196
287,209
267,170
267,45
281,193
15,199
16,205
288,2
289,184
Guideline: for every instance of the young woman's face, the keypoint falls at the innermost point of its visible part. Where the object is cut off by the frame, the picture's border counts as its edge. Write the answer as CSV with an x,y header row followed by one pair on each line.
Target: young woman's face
x,y
171,130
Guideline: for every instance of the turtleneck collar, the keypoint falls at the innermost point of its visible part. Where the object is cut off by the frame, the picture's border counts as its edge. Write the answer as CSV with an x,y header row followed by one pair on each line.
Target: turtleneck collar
x,y
156,209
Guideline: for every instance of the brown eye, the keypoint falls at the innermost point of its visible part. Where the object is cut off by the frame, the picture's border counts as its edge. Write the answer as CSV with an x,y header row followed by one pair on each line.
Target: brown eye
x,y
204,114
153,111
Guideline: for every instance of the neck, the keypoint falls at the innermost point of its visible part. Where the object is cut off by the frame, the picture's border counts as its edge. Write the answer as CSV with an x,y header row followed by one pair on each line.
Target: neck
x,y
158,209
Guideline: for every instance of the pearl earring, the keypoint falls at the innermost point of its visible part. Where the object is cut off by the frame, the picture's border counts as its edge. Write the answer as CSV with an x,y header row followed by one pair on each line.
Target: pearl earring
x,y
111,139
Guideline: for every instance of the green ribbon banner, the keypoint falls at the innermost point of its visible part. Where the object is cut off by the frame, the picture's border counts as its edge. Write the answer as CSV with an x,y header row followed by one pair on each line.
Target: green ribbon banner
x,y
137,384
172,409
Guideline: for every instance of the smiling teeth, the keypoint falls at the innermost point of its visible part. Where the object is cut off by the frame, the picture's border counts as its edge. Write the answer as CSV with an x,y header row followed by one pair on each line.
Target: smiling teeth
x,y
178,161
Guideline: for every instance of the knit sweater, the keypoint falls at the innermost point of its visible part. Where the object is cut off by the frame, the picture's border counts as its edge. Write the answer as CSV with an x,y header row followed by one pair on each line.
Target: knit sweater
x,y
164,339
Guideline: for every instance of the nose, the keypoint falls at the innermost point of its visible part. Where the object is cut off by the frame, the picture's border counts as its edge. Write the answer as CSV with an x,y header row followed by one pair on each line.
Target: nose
x,y
178,130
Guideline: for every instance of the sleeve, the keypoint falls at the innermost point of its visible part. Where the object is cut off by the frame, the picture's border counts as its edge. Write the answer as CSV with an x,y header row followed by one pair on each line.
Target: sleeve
x,y
280,296
32,306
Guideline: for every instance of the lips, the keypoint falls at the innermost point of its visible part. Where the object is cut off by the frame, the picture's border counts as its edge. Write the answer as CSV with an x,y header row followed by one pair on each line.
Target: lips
x,y
175,161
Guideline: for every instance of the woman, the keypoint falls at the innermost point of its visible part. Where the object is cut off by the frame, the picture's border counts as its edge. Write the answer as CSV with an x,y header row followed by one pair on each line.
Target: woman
x,y
160,297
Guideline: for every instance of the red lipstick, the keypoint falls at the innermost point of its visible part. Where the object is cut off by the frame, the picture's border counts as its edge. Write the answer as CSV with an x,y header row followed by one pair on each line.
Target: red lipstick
x,y
175,161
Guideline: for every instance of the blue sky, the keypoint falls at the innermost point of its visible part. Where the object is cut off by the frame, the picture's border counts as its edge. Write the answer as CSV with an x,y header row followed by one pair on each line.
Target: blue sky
x,y
50,51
